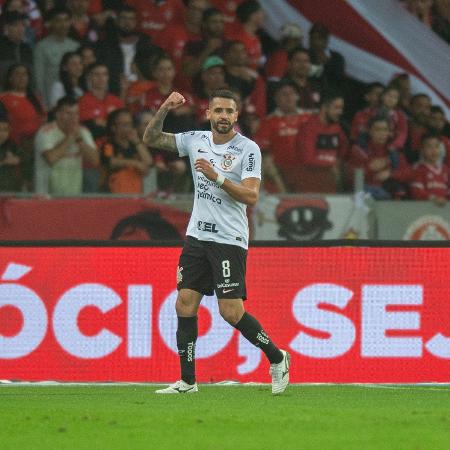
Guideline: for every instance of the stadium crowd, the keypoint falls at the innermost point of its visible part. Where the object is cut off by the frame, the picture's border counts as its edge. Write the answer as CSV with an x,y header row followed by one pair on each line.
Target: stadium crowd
x,y
79,80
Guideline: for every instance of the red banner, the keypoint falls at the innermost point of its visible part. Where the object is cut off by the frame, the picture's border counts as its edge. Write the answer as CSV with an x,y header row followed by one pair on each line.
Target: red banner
x,y
107,314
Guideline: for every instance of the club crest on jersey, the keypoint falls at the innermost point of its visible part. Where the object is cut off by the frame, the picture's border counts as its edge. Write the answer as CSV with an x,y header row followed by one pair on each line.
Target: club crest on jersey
x,y
227,161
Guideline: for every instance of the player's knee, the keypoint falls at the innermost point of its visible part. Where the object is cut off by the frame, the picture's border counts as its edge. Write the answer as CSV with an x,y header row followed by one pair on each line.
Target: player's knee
x,y
185,305
232,314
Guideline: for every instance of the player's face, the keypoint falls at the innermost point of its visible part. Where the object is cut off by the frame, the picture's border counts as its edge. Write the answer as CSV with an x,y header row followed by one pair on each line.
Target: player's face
x,y
222,114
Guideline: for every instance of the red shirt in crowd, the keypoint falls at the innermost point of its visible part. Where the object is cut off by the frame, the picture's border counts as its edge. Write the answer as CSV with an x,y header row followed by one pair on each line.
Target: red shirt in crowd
x,y
430,181
227,8
397,123
252,43
94,108
321,146
24,120
154,16
277,135
397,164
277,65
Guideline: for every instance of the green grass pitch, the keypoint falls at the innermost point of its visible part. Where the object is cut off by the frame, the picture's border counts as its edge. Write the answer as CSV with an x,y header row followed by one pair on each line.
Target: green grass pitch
x,y
225,417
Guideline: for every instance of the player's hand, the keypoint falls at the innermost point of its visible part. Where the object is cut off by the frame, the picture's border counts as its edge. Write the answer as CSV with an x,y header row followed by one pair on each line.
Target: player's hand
x,y
206,168
173,101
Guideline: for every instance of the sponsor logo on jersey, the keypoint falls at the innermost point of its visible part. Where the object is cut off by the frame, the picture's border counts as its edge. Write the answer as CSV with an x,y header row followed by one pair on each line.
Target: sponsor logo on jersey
x,y
227,161
251,162
210,197
235,149
200,150
227,285
207,226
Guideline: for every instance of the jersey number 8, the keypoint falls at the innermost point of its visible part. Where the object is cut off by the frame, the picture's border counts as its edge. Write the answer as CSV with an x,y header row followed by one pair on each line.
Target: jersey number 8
x,y
226,268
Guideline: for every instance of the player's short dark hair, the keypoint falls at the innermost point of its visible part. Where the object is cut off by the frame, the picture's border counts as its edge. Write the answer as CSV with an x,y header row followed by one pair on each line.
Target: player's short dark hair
x,y
223,93
296,50
67,100
246,9
429,136
330,96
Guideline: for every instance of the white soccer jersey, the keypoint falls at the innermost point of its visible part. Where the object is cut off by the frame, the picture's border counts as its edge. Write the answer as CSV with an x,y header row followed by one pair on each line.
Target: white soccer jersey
x,y
216,216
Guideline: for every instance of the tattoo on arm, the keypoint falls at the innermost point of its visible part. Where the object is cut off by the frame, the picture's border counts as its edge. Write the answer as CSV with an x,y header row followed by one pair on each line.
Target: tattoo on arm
x,y
155,137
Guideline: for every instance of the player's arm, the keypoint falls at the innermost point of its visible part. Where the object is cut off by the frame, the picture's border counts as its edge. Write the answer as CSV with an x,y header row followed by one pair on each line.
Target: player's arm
x,y
247,191
153,135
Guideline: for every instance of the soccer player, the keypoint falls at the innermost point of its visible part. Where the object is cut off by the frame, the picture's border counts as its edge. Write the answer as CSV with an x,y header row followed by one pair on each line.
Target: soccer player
x,y
226,168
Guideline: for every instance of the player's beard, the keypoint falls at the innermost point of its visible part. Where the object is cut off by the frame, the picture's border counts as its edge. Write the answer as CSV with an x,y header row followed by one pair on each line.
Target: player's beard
x,y
222,127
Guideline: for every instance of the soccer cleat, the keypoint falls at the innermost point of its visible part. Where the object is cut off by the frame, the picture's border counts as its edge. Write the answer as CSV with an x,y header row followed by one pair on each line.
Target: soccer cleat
x,y
180,387
280,373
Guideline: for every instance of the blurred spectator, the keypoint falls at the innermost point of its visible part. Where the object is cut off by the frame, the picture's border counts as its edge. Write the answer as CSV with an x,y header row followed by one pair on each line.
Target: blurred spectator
x,y
277,136
49,52
250,17
228,9
309,89
34,24
372,98
163,74
397,120
422,10
326,63
137,90
431,176
212,43
290,39
439,126
124,156
83,27
87,53
61,147
70,79
95,106
212,78
419,110
118,51
13,49
181,33
385,169
10,160
25,114
403,84
97,103
322,146
441,19
240,76
155,15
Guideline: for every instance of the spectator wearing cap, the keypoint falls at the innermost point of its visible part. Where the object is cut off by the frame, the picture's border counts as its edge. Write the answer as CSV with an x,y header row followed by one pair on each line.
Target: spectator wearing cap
x,y
309,89
13,49
291,37
277,136
322,146
49,52
118,51
212,42
250,17
240,76
326,63
211,78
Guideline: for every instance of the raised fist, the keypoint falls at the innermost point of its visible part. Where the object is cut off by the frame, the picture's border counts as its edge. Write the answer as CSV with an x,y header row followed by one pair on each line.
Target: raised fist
x,y
174,100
